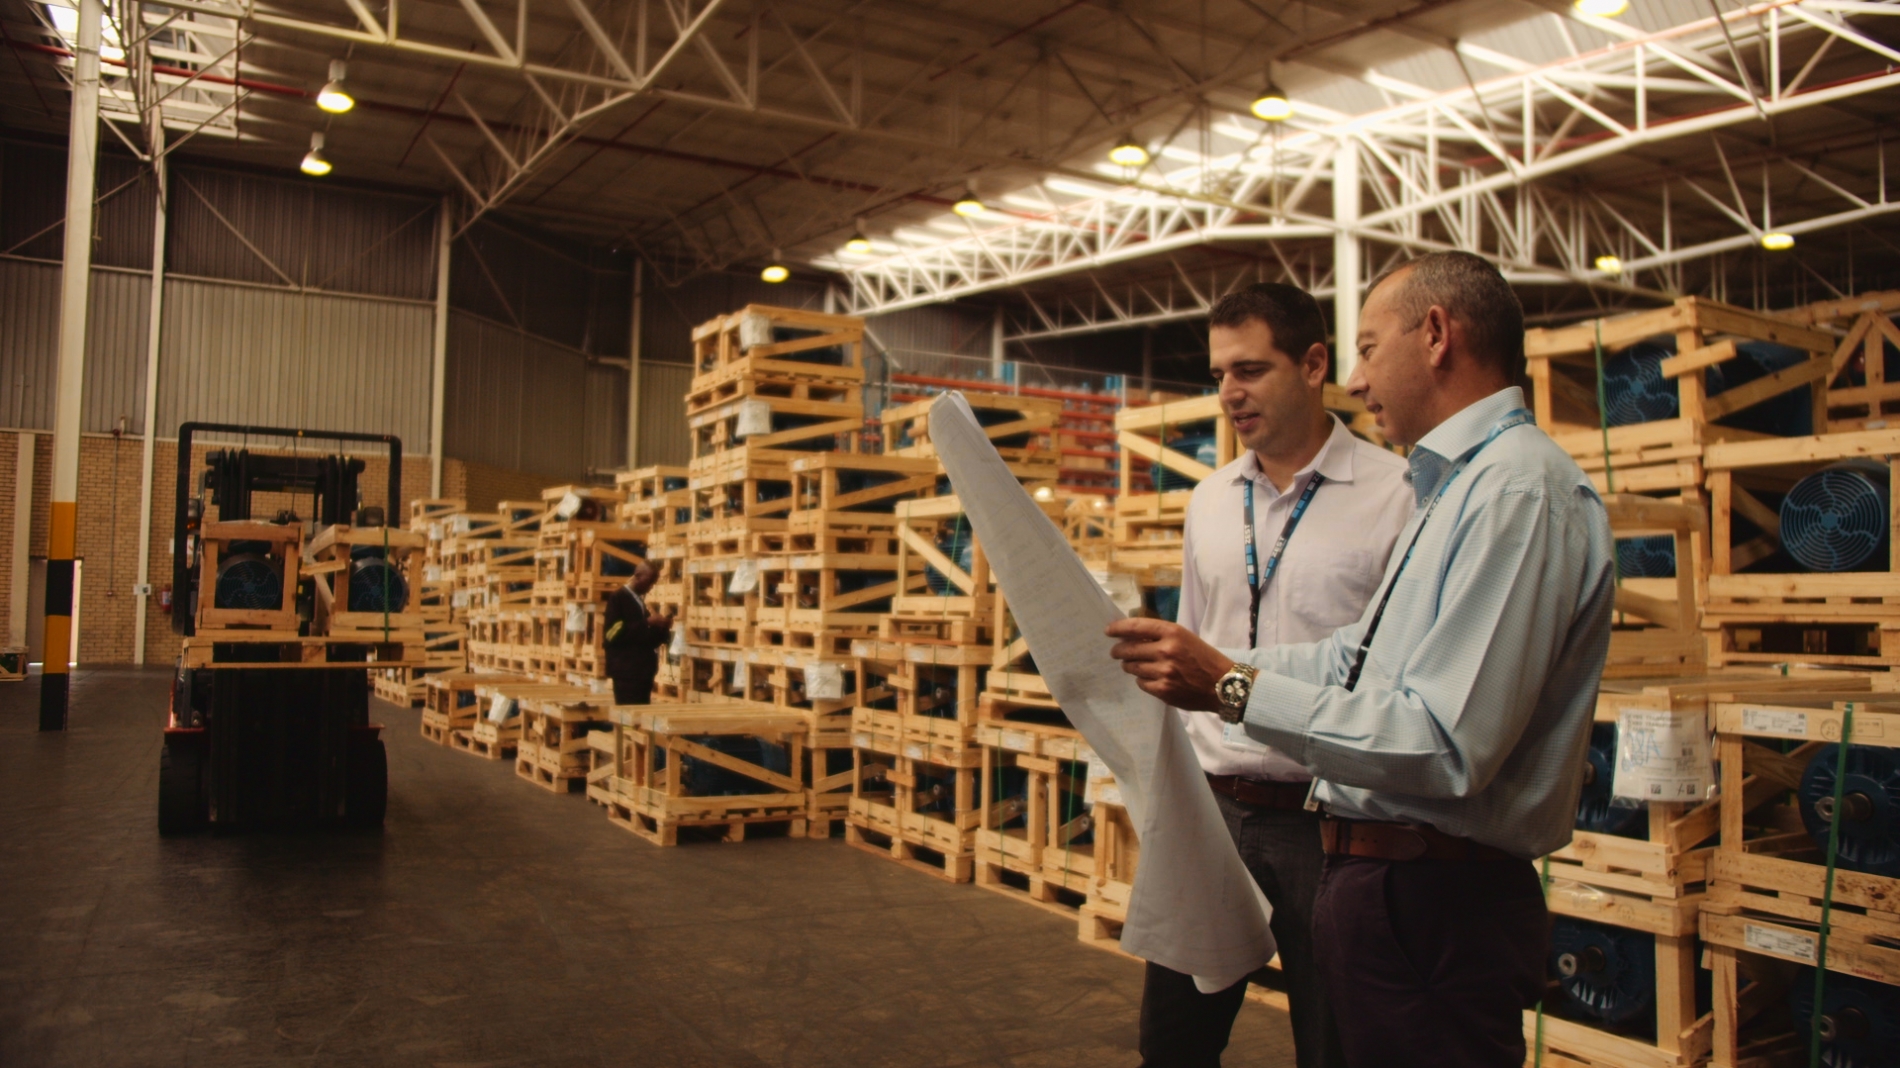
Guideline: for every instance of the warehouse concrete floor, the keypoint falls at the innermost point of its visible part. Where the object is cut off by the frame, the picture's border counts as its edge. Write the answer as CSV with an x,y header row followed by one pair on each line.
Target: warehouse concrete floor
x,y
496,924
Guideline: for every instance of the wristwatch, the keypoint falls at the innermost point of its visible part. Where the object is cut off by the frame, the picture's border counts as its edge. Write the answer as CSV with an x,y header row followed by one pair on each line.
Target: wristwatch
x,y
1233,689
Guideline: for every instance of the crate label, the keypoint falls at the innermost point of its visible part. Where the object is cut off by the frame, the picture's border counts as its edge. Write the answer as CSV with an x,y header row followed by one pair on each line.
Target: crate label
x,y
576,622
862,740
741,676
500,709
1781,943
916,752
755,417
745,577
1018,741
1775,721
824,681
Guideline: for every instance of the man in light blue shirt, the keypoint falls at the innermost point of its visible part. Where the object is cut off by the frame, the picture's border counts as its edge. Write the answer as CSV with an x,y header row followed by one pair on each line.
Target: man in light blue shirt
x,y
1448,726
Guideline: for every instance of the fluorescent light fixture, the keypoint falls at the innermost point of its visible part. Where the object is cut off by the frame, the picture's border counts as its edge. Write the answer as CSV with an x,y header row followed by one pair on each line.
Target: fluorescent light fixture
x,y
967,205
1128,152
1601,9
333,98
315,163
1777,241
1609,265
858,243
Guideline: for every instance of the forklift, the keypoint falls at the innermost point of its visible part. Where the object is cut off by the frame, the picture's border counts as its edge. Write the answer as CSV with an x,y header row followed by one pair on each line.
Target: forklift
x,y
269,724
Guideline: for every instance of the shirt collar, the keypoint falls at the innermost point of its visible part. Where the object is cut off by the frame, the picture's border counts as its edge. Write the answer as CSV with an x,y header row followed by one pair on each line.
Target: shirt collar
x,y
1334,460
1437,451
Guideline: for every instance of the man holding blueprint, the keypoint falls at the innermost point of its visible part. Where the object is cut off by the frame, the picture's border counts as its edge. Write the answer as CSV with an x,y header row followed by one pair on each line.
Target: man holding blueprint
x,y
1447,726
1285,544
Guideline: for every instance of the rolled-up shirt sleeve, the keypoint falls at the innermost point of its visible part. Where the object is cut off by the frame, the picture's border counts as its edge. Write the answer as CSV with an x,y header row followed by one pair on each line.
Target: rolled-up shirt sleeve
x,y
1442,723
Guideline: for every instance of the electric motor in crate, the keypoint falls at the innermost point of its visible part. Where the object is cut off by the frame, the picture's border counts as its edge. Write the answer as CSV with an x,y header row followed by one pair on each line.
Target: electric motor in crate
x,y
364,578
1802,561
253,584
1676,379
1769,880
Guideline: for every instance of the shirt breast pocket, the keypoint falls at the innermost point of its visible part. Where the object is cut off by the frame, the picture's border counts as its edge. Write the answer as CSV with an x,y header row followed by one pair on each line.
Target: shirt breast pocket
x,y
1330,592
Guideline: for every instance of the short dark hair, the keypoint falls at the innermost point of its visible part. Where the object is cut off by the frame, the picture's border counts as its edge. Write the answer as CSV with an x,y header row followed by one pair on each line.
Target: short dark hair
x,y
1289,311
1474,293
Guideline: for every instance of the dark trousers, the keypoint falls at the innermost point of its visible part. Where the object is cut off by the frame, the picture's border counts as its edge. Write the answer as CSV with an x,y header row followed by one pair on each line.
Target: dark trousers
x,y
1184,1028
1432,963
633,689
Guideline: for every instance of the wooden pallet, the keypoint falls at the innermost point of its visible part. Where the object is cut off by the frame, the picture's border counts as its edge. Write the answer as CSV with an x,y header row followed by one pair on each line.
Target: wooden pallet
x,y
884,814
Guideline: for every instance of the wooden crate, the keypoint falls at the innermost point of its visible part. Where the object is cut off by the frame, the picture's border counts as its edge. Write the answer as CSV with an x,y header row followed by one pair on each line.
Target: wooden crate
x,y
283,551
778,423
450,702
13,663
1023,430
885,816
425,513
923,721
1663,455
1868,333
652,793
553,750
1657,626
1768,877
1840,618
762,337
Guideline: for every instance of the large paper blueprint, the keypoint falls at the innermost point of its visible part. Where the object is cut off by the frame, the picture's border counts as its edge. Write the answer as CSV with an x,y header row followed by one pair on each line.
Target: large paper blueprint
x,y
1194,908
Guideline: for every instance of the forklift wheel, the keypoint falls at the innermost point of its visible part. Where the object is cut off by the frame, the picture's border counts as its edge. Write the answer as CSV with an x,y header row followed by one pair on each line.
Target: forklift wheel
x,y
368,795
181,798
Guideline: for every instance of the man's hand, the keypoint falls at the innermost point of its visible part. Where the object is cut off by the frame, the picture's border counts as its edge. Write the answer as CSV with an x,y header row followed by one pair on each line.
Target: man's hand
x,y
1170,662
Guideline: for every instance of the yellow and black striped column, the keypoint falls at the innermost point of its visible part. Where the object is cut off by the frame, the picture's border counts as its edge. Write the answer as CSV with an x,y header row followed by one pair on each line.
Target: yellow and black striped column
x,y
74,287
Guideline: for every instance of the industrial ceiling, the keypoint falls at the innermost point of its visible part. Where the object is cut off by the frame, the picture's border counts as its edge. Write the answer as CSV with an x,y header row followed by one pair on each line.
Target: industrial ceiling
x,y
1599,159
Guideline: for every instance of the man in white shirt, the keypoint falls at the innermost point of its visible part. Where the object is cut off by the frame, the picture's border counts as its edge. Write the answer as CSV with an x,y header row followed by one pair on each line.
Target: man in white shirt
x,y
1313,574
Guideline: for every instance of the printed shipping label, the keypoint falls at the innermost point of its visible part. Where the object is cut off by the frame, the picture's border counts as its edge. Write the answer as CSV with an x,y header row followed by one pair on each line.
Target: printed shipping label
x,y
1781,943
1775,721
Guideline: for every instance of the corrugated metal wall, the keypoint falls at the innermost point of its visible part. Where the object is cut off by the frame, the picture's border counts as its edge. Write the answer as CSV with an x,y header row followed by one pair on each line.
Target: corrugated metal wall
x,y
264,356
119,309
523,402
664,435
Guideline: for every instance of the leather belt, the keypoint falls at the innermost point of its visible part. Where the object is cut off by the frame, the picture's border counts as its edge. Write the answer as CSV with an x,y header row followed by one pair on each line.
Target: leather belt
x,y
1401,841
1261,793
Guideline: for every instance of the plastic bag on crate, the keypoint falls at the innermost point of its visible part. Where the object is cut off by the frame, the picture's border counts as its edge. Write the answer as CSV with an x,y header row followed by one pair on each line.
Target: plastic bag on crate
x,y
1663,756
824,681
745,578
755,417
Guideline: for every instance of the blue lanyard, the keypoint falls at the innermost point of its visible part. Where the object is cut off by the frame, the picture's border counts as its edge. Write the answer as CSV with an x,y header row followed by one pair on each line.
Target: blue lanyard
x,y
1515,419
1256,581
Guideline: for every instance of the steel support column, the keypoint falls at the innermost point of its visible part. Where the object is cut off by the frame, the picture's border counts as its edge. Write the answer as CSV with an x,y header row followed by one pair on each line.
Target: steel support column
x,y
1347,269
633,365
142,590
21,558
62,521
439,365
996,345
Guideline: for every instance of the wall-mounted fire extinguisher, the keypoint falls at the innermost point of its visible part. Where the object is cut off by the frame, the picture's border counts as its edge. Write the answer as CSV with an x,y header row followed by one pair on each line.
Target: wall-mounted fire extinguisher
x,y
165,596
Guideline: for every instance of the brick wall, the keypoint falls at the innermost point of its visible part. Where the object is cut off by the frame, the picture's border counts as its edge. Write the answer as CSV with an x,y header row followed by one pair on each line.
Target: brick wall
x,y
483,486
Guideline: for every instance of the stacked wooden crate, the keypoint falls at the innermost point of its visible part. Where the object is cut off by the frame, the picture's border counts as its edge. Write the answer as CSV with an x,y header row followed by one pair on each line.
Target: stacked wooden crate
x,y
914,789
1775,912
772,385
586,552
658,507
433,596
1627,891
496,561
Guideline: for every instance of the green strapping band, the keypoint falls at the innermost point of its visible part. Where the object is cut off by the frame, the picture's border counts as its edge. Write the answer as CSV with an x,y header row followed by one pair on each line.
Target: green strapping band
x,y
1827,886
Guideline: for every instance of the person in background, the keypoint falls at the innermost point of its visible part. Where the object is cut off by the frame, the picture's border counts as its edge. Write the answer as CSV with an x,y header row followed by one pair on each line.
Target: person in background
x,y
633,638
1448,725
1284,544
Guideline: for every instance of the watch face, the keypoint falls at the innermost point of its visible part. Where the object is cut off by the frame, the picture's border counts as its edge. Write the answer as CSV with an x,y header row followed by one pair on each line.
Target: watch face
x,y
1233,691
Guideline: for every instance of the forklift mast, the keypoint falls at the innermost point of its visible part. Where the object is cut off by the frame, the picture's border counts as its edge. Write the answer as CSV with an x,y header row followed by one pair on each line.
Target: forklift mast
x,y
231,476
